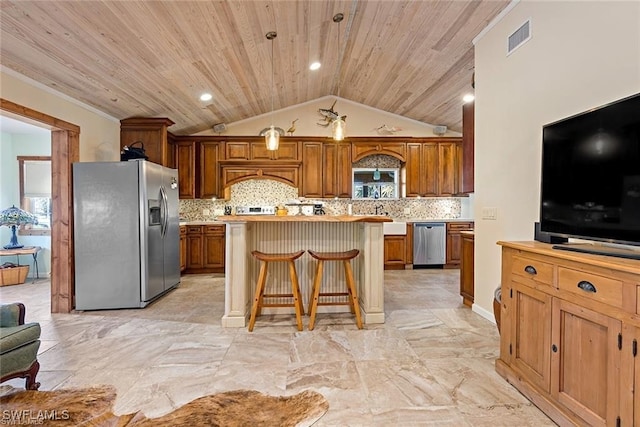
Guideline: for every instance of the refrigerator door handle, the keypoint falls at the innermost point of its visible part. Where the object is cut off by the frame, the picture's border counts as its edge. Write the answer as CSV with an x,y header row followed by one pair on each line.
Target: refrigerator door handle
x,y
164,222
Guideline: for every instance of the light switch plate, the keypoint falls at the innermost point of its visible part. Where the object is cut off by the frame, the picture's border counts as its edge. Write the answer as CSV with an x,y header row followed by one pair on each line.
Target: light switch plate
x,y
407,211
490,213
206,212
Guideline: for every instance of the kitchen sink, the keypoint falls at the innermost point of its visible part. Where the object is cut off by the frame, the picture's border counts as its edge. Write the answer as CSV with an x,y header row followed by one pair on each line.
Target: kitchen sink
x,y
394,228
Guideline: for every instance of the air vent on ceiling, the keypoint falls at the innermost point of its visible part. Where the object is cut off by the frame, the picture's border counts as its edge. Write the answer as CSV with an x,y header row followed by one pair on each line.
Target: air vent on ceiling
x,y
519,36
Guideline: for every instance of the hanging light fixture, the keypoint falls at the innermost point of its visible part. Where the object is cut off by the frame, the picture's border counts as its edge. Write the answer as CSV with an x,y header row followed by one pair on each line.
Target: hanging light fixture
x,y
338,126
272,136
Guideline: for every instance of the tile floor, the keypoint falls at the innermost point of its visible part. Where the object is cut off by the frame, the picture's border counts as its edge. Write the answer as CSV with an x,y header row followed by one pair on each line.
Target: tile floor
x,y
431,363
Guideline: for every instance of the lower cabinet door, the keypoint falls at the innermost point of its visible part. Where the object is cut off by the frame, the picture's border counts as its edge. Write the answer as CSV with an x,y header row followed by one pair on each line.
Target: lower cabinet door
x,y
531,336
585,363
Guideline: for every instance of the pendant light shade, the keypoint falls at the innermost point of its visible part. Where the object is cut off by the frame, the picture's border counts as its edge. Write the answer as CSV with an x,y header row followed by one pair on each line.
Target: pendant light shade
x,y
272,137
339,127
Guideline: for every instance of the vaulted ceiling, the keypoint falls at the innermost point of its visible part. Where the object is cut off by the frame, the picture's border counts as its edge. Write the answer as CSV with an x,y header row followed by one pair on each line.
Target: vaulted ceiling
x,y
155,58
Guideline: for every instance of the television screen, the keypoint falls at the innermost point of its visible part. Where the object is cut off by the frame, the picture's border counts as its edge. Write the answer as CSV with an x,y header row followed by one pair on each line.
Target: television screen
x,y
591,174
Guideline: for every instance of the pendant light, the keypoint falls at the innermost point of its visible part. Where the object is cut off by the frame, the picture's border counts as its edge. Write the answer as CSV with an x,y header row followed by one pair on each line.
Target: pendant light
x,y
272,136
338,126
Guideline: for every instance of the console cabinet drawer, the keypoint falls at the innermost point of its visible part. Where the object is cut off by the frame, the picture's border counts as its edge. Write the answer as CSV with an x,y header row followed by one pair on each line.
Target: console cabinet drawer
x,y
599,288
533,269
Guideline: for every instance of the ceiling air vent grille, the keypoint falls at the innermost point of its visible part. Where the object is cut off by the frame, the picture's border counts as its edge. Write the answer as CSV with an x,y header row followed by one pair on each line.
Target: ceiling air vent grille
x,y
519,36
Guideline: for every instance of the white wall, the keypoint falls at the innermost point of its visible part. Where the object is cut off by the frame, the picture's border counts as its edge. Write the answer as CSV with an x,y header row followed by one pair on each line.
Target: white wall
x,y
581,55
12,146
361,120
99,133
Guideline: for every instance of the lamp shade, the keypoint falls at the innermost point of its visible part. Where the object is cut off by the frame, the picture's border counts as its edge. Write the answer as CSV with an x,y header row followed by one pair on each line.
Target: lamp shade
x,y
339,128
272,138
16,216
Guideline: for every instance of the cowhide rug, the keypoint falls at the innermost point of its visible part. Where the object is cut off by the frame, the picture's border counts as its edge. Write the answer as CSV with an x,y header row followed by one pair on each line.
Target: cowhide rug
x,y
93,407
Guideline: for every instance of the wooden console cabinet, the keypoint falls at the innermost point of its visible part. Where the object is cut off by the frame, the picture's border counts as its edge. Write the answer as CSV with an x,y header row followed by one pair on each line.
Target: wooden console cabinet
x,y
454,242
569,333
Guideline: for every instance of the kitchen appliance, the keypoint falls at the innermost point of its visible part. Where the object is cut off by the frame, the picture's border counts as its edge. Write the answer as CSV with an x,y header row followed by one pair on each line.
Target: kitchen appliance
x,y
318,209
429,243
126,233
255,210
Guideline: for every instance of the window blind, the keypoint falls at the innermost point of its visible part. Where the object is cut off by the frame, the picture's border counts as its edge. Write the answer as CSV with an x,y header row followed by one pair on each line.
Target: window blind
x,y
37,179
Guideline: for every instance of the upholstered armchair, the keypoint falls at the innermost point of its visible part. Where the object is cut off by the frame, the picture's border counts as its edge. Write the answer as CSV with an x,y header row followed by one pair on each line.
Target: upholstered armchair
x,y
19,344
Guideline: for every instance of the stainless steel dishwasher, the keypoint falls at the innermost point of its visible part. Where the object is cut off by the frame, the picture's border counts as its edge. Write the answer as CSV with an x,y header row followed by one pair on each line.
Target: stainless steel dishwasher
x,y
429,243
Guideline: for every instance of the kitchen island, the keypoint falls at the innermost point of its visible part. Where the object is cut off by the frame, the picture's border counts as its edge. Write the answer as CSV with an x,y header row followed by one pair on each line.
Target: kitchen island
x,y
324,233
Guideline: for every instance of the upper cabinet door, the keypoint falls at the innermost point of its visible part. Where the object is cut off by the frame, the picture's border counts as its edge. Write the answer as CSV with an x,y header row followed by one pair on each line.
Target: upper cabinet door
x,y
312,170
186,165
209,170
467,167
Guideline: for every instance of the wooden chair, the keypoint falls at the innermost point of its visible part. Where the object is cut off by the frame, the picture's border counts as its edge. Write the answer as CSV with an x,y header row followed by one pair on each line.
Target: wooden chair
x,y
351,293
258,301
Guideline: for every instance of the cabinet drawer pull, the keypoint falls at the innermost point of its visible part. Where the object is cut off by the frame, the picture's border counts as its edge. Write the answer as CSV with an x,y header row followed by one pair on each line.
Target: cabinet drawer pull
x,y
586,286
530,269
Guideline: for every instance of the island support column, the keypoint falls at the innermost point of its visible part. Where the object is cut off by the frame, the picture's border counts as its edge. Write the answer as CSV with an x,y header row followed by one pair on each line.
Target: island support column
x,y
236,280
371,283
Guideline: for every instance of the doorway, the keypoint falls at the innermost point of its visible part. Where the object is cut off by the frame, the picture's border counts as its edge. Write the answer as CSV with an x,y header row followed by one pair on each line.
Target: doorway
x,y
65,149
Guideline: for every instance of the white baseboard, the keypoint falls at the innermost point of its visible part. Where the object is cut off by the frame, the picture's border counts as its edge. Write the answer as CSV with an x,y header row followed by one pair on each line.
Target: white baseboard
x,y
484,313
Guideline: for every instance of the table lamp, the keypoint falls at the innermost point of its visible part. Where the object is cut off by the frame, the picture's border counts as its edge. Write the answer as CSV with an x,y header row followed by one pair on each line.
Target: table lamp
x,y
14,217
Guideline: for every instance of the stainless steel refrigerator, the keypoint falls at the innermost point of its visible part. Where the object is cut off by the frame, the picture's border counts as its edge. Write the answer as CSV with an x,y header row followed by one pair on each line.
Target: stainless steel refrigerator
x,y
126,233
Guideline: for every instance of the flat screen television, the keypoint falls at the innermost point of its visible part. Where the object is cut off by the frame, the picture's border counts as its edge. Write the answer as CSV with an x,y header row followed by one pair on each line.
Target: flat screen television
x,y
590,185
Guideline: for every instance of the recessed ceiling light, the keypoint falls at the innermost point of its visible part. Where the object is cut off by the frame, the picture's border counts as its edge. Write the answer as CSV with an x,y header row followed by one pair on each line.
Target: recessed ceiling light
x,y
468,97
314,66
206,97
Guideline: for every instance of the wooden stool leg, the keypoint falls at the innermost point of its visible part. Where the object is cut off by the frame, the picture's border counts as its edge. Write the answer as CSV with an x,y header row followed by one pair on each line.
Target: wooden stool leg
x,y
257,300
295,289
353,293
313,310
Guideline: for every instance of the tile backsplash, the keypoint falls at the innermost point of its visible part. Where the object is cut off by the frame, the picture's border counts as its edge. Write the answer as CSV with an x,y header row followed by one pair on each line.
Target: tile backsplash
x,y
264,192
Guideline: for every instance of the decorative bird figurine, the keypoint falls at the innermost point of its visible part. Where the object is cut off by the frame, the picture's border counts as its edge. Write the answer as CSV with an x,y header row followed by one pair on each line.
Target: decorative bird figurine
x,y
386,130
292,129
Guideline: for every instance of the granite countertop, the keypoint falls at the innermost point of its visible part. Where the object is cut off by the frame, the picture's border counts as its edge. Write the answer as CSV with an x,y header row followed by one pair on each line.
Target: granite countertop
x,y
305,218
318,218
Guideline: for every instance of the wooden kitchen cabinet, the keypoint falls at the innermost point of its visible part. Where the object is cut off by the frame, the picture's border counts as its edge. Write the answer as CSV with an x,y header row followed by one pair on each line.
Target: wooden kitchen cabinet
x,y
432,167
395,249
372,146
337,180
183,248
154,135
198,163
447,169
569,333
209,170
312,170
466,165
205,248
326,169
185,155
253,149
454,242
467,287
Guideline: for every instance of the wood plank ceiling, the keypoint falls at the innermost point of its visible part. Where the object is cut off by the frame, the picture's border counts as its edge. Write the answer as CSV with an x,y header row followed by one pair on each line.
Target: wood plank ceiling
x,y
154,58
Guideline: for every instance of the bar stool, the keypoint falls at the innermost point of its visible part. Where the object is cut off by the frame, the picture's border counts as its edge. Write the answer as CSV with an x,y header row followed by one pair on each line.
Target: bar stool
x,y
314,302
258,301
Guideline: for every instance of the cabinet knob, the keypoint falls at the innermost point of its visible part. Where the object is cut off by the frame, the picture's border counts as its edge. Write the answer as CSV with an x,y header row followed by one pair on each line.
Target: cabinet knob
x,y
587,286
530,269
554,348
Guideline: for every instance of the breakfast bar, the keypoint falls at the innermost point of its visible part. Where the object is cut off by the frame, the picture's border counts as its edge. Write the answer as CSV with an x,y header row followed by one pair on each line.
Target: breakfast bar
x,y
278,234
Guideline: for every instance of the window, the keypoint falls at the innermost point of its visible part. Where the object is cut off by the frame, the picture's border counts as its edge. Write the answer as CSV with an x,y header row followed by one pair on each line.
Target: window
x,y
376,183
35,192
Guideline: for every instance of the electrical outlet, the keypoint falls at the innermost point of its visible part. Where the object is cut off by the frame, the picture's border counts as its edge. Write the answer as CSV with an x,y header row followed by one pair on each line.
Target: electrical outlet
x,y
206,212
490,213
407,211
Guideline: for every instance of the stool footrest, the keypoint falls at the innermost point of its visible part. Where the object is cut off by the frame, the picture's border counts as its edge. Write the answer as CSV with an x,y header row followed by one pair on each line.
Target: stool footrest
x,y
333,294
277,296
276,305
